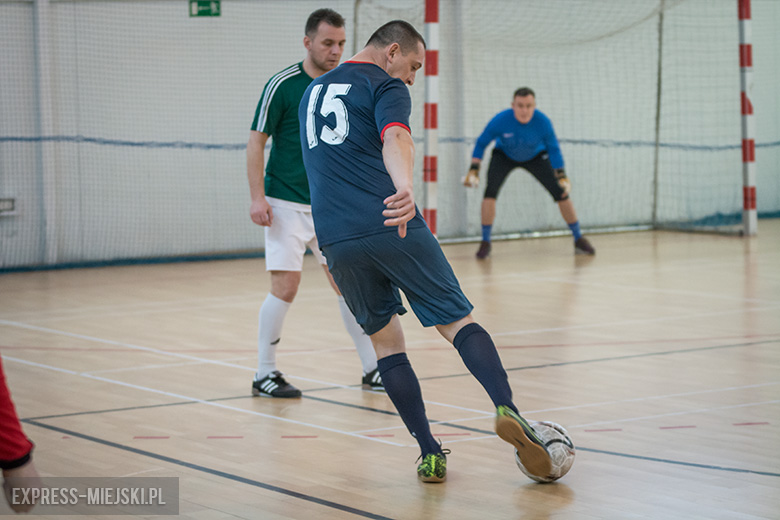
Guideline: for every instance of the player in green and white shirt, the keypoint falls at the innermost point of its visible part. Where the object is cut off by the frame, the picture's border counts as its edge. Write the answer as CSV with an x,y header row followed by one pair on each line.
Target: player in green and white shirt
x,y
281,203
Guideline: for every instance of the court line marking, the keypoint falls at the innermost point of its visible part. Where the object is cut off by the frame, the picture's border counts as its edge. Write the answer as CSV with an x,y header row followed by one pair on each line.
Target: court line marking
x,y
215,472
417,342
615,358
151,367
674,414
671,292
314,294
675,317
186,356
681,463
196,400
377,439
487,415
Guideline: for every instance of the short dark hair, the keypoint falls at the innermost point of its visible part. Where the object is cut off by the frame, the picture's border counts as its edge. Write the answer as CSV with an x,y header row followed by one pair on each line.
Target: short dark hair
x,y
329,16
524,91
398,31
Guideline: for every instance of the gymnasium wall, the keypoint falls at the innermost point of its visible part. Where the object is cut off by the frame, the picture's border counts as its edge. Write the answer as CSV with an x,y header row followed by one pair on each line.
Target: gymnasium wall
x,y
123,124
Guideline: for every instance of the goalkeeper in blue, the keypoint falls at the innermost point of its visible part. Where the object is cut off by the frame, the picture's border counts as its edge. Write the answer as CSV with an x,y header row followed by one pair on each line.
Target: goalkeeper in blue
x,y
524,139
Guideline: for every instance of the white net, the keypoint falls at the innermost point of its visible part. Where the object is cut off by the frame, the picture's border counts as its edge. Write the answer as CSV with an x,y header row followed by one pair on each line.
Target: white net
x,y
124,123
595,68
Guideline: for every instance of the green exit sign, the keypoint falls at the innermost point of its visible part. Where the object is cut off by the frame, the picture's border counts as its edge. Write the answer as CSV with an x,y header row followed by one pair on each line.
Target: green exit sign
x,y
205,8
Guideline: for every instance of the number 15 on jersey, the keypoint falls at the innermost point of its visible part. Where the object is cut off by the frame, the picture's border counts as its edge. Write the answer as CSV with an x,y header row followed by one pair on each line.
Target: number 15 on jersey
x,y
331,104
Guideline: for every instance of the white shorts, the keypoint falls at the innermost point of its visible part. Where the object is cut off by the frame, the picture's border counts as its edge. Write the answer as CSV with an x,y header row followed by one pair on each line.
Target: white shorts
x,y
287,238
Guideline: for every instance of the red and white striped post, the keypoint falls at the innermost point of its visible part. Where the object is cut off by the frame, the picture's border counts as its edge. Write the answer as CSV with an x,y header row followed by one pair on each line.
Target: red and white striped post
x,y
430,159
749,213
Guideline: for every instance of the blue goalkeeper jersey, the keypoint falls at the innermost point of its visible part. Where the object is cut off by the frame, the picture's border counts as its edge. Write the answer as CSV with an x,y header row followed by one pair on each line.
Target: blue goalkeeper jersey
x,y
520,142
343,116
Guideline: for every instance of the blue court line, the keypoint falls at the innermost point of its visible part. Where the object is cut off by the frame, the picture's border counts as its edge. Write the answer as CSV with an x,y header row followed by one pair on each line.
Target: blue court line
x,y
606,143
215,472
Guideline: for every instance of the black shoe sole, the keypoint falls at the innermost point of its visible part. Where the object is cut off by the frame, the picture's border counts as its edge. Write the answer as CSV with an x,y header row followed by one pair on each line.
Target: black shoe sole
x,y
258,393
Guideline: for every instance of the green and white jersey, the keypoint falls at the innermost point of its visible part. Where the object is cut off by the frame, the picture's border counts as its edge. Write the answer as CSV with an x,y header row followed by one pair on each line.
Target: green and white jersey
x,y
277,116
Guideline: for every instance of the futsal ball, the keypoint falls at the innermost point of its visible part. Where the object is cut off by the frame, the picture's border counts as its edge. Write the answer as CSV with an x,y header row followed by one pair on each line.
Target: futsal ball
x,y
558,443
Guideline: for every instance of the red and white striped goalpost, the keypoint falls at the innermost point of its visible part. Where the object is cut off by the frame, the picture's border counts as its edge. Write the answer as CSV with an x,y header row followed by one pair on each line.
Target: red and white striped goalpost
x,y
430,160
749,213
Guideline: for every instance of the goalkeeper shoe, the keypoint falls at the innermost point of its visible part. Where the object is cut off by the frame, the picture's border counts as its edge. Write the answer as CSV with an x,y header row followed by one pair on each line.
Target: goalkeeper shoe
x,y
433,467
583,247
516,431
484,249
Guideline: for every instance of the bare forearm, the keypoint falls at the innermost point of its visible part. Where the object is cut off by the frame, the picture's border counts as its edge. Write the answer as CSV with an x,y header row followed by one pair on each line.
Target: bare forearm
x,y
398,156
255,162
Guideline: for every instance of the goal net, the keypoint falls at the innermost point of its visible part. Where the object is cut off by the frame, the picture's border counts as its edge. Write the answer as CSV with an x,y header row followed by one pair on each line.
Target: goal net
x,y
124,123
644,98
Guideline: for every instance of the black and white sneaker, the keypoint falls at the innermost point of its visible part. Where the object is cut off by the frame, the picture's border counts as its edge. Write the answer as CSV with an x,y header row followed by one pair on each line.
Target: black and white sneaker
x,y
373,381
274,385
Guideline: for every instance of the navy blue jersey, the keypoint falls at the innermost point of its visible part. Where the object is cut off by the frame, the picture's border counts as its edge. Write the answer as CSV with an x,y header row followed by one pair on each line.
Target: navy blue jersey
x,y
520,142
343,116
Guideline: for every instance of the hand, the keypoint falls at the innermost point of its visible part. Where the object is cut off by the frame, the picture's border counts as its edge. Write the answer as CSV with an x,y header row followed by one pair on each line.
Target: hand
x,y
400,210
261,212
25,476
471,180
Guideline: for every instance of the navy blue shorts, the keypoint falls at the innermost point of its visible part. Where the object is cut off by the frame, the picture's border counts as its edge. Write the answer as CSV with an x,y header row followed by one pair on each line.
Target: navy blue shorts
x,y
370,271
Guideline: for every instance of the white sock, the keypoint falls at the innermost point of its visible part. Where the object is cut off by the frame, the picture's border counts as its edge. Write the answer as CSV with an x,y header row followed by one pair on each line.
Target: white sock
x,y
269,330
362,342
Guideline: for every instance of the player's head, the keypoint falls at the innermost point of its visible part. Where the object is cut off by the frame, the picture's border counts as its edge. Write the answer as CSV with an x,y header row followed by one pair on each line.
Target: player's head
x,y
524,104
324,39
404,49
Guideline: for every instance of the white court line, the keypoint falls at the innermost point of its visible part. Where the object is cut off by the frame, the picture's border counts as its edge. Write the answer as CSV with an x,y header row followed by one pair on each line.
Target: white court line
x,y
313,294
327,383
151,367
132,309
635,289
487,415
484,415
673,414
197,359
632,269
315,381
617,421
613,324
195,399
654,397
676,317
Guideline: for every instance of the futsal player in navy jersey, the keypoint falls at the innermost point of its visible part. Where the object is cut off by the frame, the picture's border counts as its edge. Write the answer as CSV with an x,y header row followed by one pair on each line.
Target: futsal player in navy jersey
x,y
359,158
524,139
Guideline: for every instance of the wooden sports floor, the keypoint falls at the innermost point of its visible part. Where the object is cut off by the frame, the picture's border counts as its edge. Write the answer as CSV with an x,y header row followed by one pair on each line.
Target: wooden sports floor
x,y
660,355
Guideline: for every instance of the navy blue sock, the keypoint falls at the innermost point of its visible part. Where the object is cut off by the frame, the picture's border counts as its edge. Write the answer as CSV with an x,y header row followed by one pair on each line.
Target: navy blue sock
x,y
575,230
403,388
480,356
486,230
